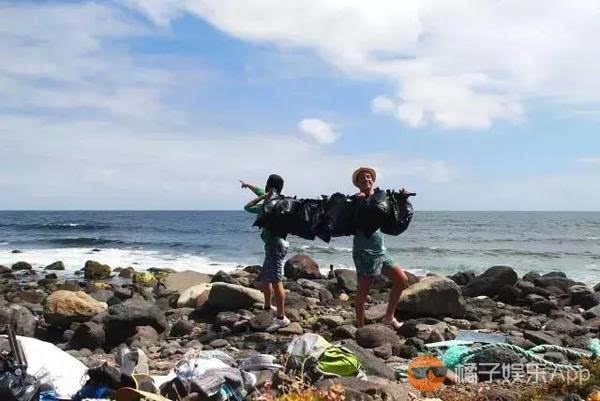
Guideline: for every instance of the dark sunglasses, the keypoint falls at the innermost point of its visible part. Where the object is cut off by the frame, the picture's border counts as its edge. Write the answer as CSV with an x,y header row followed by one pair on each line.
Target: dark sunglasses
x,y
421,371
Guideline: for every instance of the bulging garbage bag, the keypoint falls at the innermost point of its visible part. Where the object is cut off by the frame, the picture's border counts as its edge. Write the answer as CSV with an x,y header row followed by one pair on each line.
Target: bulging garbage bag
x,y
400,214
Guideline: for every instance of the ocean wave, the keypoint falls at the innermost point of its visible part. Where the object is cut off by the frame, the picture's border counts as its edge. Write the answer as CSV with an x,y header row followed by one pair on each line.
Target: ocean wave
x,y
57,226
321,249
84,241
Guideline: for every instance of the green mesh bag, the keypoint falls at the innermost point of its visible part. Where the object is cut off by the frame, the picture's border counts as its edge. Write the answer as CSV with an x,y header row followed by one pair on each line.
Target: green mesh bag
x,y
338,361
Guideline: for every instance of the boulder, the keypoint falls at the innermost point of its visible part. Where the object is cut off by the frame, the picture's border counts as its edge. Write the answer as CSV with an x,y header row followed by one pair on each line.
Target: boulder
x,y
490,281
21,266
597,288
4,269
543,306
331,321
463,278
223,296
96,271
189,296
531,276
370,363
433,296
301,266
128,272
182,328
20,318
555,274
554,281
542,337
88,335
592,312
487,359
58,265
102,295
122,319
29,296
144,336
376,335
64,307
583,296
179,281
563,325
222,277
346,279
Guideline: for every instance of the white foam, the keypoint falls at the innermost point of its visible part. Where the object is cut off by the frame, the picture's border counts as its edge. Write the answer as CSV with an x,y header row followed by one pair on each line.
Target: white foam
x,y
74,259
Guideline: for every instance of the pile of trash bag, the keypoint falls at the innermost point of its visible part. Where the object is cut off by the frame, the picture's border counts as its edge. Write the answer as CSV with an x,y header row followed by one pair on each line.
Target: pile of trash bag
x,y
337,215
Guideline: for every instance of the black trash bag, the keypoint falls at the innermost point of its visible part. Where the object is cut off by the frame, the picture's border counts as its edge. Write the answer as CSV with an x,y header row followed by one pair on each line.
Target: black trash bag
x,y
307,218
338,217
372,212
401,213
277,215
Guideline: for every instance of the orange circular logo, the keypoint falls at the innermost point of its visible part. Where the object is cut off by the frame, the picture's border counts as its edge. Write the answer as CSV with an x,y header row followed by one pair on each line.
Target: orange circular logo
x,y
426,372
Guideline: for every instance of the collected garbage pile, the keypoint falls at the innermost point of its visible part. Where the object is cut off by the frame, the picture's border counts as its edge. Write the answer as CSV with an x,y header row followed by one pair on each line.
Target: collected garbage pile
x,y
337,215
35,370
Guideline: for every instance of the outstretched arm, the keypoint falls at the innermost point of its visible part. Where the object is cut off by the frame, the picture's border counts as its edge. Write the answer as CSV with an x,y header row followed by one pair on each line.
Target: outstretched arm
x,y
253,206
257,190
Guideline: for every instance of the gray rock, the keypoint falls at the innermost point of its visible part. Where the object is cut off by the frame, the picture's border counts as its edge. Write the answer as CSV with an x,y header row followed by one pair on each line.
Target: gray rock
x,y
88,335
144,336
331,321
182,328
597,288
21,319
565,326
293,328
177,282
433,296
58,265
486,359
223,296
122,319
102,295
375,312
222,277
592,312
219,343
370,363
128,272
375,335
346,279
96,271
490,281
544,306
345,331
531,276
554,281
21,266
383,351
510,294
584,296
301,266
542,337
555,274
227,319
463,278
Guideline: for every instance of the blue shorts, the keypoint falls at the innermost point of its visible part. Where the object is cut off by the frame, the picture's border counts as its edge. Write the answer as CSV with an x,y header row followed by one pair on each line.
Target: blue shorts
x,y
368,265
272,268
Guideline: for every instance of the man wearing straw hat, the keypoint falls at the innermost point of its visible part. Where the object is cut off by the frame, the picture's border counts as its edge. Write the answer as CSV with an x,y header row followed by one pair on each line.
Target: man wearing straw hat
x,y
371,259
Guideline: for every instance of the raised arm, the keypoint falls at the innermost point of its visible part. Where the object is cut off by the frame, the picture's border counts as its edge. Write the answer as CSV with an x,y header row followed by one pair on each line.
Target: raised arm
x,y
257,190
253,206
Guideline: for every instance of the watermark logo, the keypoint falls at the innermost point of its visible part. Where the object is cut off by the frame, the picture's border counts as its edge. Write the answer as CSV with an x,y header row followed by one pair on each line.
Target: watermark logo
x,y
426,373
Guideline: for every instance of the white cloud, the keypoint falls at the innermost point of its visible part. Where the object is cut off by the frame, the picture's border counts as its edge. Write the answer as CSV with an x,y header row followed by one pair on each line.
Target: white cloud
x,y
589,160
382,104
458,63
318,130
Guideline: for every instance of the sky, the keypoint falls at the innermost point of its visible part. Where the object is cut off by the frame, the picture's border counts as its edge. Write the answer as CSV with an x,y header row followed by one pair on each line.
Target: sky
x,y
166,104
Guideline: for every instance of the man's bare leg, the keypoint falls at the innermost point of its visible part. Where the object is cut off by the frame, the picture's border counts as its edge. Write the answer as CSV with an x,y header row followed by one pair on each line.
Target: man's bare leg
x,y
364,284
268,293
279,298
400,282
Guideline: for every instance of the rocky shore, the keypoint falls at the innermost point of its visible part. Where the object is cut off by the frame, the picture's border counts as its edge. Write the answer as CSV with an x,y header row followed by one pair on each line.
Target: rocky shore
x,y
89,314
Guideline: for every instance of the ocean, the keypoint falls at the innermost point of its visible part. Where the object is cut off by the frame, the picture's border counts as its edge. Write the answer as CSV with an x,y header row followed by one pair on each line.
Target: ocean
x,y
209,241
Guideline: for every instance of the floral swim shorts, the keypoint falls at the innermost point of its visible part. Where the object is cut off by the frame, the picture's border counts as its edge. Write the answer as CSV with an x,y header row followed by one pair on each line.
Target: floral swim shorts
x,y
272,268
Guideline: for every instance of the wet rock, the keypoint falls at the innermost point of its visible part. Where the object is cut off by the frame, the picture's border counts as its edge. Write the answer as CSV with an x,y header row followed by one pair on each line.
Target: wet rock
x,y
490,281
21,319
189,296
88,335
555,274
222,277
346,279
65,307
121,320
96,271
433,296
584,296
21,266
58,265
177,282
16,251
301,266
223,296
463,278
182,328
375,335
531,276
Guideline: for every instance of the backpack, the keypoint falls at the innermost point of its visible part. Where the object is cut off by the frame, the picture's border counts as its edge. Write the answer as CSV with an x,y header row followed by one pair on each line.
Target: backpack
x,y
338,361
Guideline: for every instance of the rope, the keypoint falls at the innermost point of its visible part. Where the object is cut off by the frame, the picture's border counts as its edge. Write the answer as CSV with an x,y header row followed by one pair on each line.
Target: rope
x,y
459,355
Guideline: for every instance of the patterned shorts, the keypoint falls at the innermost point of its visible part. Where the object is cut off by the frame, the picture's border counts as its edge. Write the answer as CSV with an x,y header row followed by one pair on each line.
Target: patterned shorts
x,y
368,265
272,268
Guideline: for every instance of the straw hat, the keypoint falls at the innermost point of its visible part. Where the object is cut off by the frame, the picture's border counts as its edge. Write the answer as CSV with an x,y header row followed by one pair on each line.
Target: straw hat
x,y
360,170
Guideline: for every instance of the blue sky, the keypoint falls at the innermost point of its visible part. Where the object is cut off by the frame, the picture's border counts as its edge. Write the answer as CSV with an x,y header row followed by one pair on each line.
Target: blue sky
x,y
164,105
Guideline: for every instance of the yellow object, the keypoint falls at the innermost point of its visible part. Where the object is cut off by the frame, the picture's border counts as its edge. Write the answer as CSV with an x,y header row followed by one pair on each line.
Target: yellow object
x,y
144,278
595,396
101,286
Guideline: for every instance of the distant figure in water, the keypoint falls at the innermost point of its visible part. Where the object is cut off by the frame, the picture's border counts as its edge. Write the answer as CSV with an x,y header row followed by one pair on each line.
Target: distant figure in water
x,y
371,259
276,248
